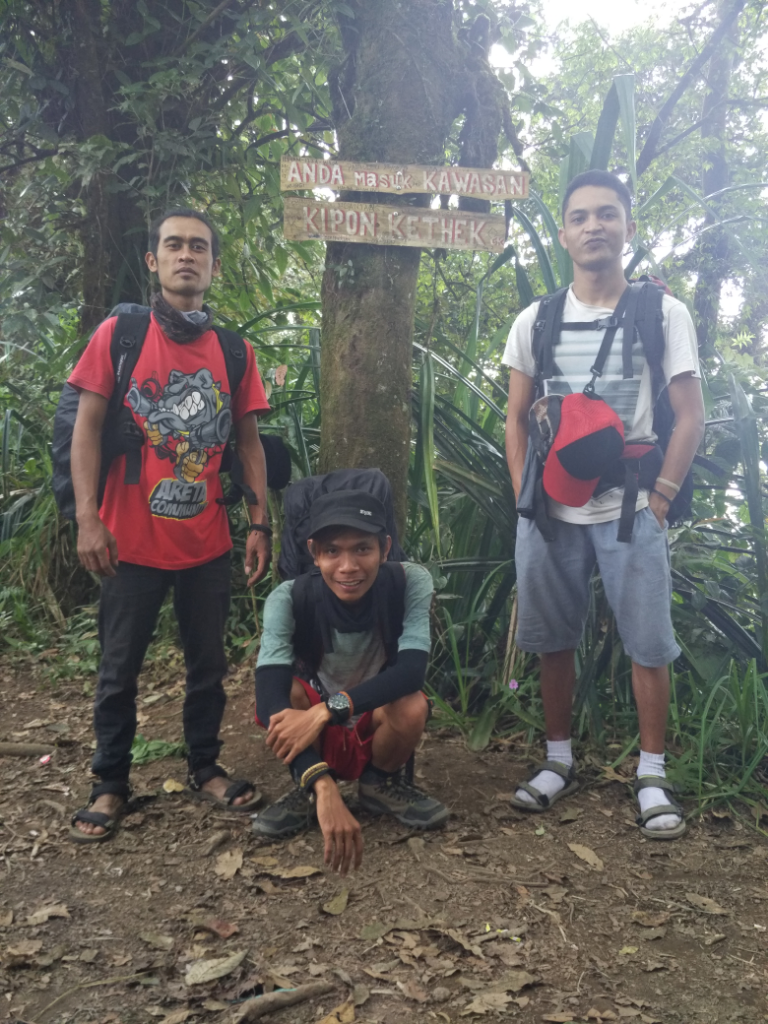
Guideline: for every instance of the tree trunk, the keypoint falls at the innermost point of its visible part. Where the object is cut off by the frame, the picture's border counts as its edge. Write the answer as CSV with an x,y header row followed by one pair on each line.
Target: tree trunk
x,y
394,101
713,246
113,229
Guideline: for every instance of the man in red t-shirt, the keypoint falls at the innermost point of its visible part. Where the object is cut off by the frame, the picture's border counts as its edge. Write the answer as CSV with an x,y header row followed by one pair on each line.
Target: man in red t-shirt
x,y
169,529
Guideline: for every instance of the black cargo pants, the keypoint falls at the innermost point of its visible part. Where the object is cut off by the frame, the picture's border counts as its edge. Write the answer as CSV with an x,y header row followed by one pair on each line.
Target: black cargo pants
x,y
128,611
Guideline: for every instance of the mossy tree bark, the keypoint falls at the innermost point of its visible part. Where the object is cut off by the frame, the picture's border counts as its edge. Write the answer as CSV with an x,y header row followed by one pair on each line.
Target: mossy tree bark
x,y
404,81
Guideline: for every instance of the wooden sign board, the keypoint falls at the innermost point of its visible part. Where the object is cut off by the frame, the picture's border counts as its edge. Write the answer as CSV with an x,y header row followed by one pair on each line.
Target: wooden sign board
x,y
392,225
450,181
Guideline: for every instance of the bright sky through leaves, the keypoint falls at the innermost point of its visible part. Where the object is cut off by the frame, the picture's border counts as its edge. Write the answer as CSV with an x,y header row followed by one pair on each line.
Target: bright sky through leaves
x,y
610,14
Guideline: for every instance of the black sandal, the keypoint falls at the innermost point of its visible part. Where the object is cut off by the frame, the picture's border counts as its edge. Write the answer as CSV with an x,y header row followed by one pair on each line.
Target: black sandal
x,y
238,788
121,789
544,802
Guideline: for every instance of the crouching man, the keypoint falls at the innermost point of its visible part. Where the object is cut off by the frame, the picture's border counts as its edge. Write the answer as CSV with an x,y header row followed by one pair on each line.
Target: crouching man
x,y
357,631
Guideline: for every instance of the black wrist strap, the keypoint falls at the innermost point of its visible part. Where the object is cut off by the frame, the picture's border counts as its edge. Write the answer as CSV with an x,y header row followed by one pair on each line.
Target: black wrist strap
x,y
260,528
337,717
662,495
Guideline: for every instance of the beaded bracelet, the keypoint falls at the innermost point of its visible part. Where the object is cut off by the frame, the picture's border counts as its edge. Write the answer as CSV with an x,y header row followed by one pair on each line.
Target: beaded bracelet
x,y
313,773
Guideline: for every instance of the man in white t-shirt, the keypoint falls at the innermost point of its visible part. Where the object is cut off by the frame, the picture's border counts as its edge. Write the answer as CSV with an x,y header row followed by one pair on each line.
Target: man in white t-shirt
x,y
553,576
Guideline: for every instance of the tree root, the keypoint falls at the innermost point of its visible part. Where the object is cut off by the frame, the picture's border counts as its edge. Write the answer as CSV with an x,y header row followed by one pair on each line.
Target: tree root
x,y
25,749
262,1005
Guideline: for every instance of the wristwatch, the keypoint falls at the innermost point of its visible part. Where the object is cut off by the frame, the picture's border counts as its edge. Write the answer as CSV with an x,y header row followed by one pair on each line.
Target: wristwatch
x,y
340,707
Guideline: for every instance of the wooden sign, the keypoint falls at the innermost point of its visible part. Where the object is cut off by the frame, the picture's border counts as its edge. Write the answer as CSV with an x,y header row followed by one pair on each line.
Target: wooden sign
x,y
392,225
399,178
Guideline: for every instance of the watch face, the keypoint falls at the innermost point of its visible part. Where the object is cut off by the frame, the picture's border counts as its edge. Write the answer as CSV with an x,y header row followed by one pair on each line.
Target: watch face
x,y
338,702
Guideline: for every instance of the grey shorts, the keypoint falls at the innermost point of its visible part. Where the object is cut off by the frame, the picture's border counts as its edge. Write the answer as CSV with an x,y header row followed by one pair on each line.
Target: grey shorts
x,y
553,586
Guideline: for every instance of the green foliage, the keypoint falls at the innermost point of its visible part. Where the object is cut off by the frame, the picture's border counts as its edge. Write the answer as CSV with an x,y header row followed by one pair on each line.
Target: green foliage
x,y
143,750
720,729
200,104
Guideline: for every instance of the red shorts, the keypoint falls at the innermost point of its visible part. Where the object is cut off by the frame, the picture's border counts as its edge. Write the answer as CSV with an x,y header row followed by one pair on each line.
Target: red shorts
x,y
346,751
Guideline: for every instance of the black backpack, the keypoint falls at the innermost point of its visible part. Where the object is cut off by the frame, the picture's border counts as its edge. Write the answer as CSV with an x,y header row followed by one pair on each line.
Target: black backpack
x,y
298,499
121,436
311,634
642,314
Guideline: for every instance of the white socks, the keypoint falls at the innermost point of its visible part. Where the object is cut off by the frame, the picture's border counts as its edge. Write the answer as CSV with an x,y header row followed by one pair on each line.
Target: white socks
x,y
549,783
653,796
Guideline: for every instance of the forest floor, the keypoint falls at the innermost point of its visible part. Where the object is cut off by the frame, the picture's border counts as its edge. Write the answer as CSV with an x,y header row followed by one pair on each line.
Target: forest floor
x,y
568,916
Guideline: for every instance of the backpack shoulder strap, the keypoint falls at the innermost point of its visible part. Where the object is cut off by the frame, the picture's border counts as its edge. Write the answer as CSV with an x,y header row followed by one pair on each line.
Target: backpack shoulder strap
x,y
650,328
125,349
546,331
122,436
307,641
634,294
233,350
612,325
391,609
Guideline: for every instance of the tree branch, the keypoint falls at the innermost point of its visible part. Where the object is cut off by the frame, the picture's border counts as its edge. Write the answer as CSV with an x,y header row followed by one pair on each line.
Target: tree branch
x,y
40,155
287,47
264,139
203,24
650,149
758,101
513,138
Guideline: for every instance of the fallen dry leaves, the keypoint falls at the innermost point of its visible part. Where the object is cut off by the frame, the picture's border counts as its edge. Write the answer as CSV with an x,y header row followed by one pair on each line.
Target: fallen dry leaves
x,y
214,841
46,913
487,1002
177,1017
202,971
343,1014
223,929
164,942
338,904
229,863
586,854
648,920
705,904
412,990
270,866
22,953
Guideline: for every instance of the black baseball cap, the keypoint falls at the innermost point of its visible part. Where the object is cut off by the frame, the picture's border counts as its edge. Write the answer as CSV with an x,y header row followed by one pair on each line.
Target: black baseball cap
x,y
358,510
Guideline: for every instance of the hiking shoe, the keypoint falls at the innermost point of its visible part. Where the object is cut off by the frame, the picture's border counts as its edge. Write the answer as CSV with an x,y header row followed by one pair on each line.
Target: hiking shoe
x,y
394,794
290,814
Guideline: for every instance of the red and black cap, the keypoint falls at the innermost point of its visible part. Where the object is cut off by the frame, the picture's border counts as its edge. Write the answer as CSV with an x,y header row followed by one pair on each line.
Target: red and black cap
x,y
589,439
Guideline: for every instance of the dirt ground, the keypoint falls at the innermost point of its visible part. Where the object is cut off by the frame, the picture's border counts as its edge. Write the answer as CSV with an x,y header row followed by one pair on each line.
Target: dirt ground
x,y
569,916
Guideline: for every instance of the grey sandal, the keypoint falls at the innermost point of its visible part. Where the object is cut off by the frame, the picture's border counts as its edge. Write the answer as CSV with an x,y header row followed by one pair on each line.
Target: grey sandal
x,y
673,807
544,802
